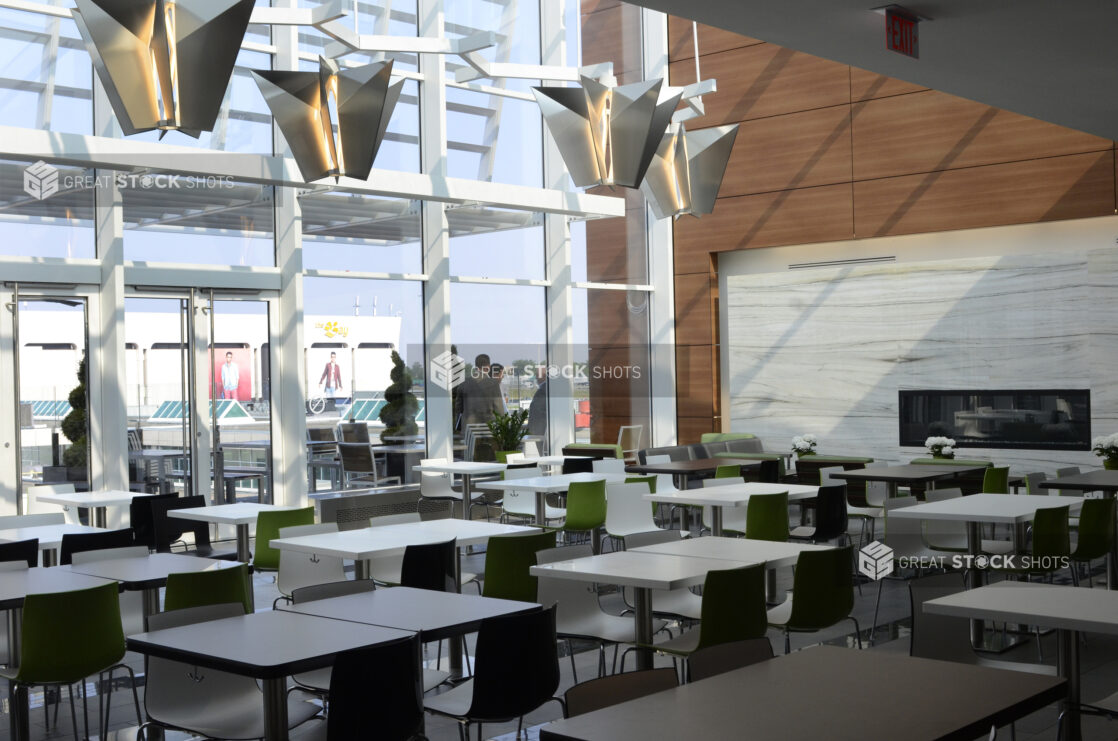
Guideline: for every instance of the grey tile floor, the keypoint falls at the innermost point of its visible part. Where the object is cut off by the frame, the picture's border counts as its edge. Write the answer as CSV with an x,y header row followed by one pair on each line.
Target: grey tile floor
x,y
1099,659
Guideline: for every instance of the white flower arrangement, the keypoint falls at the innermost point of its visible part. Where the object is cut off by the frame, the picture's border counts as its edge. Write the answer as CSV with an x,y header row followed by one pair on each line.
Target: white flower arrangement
x,y
940,447
1106,446
804,444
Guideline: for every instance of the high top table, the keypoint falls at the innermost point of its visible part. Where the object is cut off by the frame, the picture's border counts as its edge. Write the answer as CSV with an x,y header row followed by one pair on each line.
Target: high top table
x,y
541,486
269,646
730,495
15,585
97,501
1010,509
1067,609
1105,481
913,473
241,514
643,572
767,701
467,470
49,536
682,471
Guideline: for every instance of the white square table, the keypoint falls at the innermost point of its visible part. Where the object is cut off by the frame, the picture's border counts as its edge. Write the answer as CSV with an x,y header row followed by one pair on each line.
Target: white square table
x,y
1010,509
467,470
269,646
241,514
1067,609
49,536
730,495
643,572
97,501
541,486
147,573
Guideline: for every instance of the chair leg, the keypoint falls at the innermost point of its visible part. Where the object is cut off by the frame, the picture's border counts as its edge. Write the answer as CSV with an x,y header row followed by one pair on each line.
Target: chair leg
x,y
787,642
876,608
85,708
857,631
73,715
571,656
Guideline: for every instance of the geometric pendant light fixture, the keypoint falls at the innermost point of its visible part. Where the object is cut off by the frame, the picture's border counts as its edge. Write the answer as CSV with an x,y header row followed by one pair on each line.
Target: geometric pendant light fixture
x,y
334,119
607,135
165,64
687,170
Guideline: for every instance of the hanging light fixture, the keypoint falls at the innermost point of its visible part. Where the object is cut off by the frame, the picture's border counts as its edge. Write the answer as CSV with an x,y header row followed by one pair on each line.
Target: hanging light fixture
x,y
334,119
687,170
165,64
607,135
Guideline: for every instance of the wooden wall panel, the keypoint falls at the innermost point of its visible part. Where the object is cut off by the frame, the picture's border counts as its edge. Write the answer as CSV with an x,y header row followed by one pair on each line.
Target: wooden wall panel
x,y
612,323
866,85
798,150
931,130
764,80
605,429
801,216
694,320
681,41
1071,187
591,6
612,35
695,392
619,381
690,429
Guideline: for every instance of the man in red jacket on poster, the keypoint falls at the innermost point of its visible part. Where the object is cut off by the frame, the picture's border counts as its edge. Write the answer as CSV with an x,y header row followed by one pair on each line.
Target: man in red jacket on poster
x,y
332,375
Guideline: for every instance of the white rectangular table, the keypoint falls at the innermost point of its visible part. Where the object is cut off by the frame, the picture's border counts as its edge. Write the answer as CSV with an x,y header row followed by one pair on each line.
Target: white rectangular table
x,y
1009,509
1067,609
541,486
241,514
467,470
49,536
93,500
643,572
730,495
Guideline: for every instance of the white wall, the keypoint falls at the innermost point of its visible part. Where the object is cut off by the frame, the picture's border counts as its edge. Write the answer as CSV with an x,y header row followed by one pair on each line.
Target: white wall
x,y
825,349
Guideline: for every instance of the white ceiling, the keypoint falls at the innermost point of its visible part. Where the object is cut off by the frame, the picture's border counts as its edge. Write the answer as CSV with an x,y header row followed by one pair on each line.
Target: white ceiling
x,y
1056,60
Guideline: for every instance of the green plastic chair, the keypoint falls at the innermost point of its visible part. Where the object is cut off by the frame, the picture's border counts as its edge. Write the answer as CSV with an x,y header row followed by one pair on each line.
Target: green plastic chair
x,y
728,471
198,588
68,636
733,609
586,509
1096,531
650,480
996,480
507,560
268,525
822,594
766,517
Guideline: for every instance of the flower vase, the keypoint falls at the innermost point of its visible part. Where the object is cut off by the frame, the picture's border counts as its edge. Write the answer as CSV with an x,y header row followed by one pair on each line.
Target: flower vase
x,y
949,456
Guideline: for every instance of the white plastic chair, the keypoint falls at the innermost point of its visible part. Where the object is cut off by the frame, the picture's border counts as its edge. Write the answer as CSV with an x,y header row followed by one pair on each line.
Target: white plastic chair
x,y
943,535
515,458
876,494
627,511
906,538
531,450
208,702
664,481
35,507
608,465
131,601
675,603
580,615
523,503
302,569
386,569
629,439
433,485
733,518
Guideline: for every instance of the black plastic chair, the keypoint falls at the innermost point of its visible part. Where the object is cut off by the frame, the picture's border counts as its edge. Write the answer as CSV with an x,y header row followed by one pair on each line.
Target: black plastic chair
x,y
516,670
314,592
21,550
578,465
596,694
81,542
769,472
170,530
142,519
831,520
430,566
376,693
706,662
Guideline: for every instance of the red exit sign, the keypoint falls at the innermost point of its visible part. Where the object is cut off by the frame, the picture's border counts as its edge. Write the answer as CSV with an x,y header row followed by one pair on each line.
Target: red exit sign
x,y
901,34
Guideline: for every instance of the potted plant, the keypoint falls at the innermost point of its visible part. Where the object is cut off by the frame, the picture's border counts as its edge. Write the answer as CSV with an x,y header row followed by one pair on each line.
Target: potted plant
x,y
75,427
940,447
508,431
1107,449
803,445
398,415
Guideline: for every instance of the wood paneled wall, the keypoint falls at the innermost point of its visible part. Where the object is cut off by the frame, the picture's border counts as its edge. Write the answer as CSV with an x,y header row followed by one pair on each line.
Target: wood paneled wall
x,y
828,152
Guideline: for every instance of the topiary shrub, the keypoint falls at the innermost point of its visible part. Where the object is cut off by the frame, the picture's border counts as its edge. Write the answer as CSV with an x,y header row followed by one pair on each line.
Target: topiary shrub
x,y
398,415
75,425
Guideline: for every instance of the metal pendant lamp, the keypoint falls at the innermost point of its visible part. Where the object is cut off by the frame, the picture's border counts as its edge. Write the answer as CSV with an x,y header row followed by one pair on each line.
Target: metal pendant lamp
x,y
165,64
607,135
334,119
687,170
